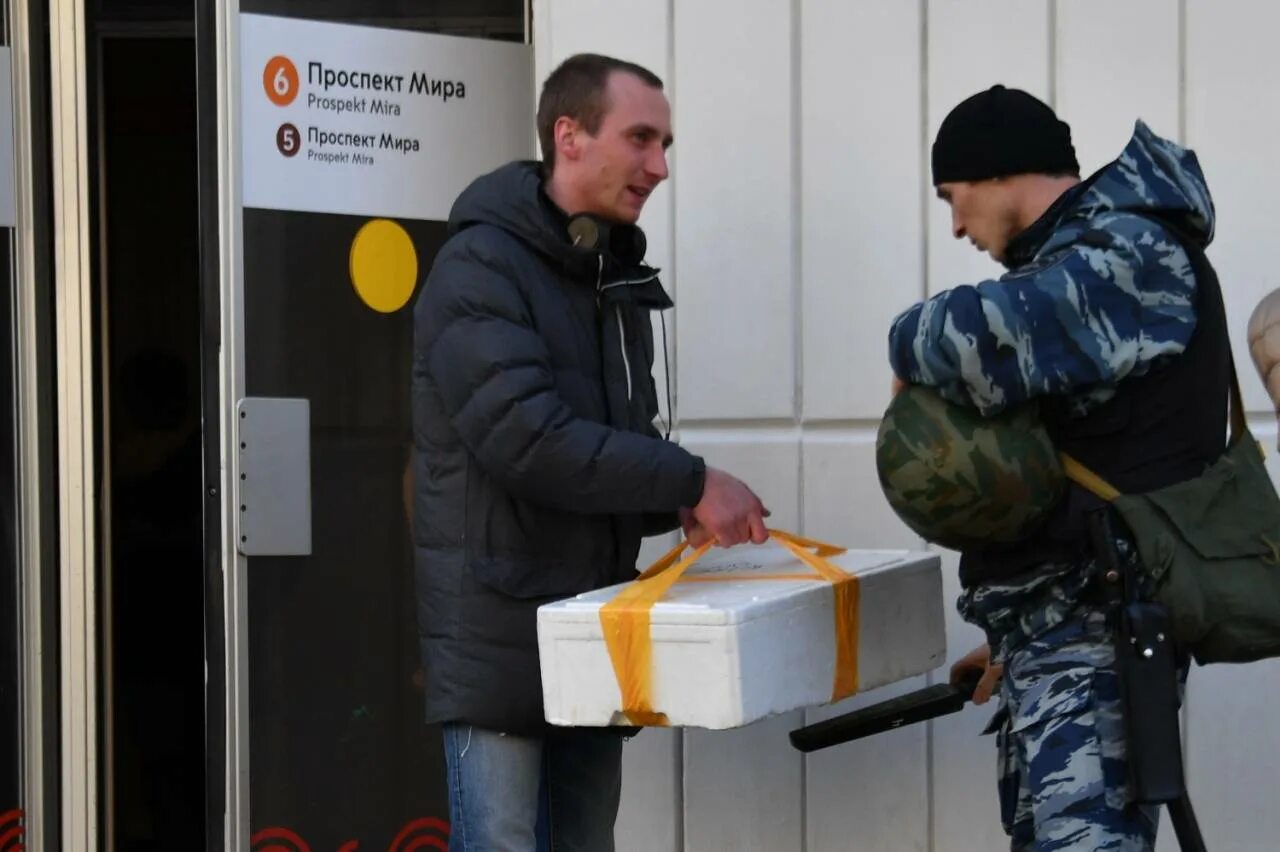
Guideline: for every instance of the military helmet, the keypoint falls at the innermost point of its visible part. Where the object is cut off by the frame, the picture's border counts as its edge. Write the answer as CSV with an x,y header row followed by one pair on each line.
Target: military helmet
x,y
962,480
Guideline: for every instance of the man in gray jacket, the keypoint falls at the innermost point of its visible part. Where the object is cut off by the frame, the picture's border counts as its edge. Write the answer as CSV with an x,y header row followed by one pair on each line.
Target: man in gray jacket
x,y
537,467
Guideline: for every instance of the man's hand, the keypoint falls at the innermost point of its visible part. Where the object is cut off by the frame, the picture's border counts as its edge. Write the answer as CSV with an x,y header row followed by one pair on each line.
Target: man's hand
x,y
729,511
695,533
979,659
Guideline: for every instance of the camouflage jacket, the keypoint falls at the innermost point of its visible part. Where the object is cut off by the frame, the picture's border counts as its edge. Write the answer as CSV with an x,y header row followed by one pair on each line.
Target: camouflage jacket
x,y
1096,292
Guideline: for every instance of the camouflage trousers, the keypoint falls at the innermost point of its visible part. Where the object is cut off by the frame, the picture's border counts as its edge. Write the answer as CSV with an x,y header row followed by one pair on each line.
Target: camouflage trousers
x,y
1062,748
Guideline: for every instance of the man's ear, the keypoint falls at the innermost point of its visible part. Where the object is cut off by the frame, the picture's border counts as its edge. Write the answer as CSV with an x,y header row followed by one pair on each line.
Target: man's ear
x,y
568,136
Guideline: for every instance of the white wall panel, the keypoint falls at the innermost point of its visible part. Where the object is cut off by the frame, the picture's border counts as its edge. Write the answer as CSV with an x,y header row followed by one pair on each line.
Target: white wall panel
x,y
734,199
651,814
972,45
1102,84
743,788
862,256
638,31
1094,54
635,30
768,460
875,790
871,794
1233,70
843,502
649,819
1232,756
1233,753
802,145
965,806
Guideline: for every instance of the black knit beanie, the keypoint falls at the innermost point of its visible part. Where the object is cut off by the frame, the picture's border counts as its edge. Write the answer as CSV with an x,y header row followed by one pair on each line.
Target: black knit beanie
x,y
1001,132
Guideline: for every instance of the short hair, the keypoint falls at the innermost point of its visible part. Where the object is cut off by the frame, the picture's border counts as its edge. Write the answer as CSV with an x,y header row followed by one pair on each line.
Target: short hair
x,y
577,89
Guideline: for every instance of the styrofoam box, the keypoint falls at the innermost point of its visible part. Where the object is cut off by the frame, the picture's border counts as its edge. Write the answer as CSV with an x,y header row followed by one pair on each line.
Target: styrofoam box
x,y
726,654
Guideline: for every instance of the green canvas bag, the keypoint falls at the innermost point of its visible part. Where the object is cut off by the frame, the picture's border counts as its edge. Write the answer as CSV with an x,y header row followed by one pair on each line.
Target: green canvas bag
x,y
1211,548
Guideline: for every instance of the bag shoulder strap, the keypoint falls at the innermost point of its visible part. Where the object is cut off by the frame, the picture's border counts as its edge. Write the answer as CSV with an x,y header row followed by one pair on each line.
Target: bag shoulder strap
x,y
1087,479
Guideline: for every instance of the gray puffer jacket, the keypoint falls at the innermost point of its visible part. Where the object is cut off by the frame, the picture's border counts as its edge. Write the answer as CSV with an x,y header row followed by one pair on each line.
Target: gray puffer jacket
x,y
537,467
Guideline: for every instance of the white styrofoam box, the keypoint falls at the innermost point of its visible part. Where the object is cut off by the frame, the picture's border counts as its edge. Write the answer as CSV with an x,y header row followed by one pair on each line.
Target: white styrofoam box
x,y
726,654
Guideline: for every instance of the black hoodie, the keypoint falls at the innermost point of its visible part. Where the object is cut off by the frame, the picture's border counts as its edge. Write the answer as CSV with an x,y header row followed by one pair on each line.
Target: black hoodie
x,y
538,468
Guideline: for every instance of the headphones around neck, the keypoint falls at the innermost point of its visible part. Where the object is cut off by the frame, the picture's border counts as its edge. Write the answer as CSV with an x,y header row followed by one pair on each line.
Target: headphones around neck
x,y
625,243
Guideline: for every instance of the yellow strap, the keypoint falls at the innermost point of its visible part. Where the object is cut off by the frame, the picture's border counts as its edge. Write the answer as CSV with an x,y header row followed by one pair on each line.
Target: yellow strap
x,y
667,560
847,600
626,625
1087,479
625,621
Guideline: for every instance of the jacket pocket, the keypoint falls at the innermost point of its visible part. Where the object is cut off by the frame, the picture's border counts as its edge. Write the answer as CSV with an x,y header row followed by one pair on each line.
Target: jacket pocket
x,y
528,577
1072,750
524,550
1066,726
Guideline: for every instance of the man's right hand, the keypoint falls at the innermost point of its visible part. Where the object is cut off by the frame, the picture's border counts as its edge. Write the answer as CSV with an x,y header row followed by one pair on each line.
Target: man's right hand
x,y
730,511
979,660
694,532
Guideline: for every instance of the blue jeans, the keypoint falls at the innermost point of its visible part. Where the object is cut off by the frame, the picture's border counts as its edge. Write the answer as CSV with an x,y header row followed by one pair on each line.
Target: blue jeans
x,y
554,793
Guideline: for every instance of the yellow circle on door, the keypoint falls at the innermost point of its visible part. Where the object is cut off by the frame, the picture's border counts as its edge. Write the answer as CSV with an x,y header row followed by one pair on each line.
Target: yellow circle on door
x,y
384,265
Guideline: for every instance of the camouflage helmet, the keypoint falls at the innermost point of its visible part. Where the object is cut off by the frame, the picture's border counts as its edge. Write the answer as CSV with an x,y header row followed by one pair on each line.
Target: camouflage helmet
x,y
961,480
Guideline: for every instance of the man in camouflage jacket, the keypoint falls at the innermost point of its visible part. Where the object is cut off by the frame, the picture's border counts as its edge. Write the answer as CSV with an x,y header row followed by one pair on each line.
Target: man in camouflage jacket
x,y
1099,293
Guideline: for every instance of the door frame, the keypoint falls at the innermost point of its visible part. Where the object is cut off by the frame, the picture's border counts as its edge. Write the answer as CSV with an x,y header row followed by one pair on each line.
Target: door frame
x,y
222,278
209,92
66,778
36,484
77,473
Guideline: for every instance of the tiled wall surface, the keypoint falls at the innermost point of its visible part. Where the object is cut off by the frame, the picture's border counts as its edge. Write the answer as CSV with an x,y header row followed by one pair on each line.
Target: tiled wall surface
x,y
798,221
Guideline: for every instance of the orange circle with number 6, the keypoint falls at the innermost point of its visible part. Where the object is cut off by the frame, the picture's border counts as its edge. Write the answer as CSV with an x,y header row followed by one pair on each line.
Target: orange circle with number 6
x,y
280,79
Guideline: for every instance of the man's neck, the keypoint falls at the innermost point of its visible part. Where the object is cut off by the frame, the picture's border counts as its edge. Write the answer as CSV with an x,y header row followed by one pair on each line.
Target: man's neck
x,y
562,195
1040,196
